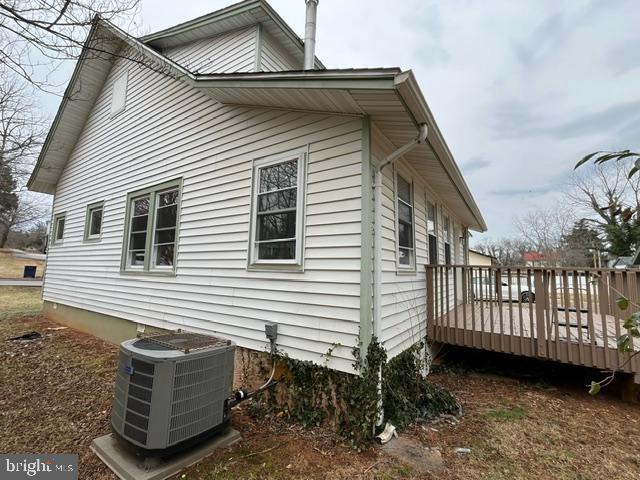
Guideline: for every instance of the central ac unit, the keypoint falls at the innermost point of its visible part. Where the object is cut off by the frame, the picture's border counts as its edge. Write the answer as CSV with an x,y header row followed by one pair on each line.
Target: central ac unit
x,y
171,390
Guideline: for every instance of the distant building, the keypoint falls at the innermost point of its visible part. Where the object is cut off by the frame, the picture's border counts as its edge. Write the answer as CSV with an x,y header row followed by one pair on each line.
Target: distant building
x,y
623,262
481,259
533,259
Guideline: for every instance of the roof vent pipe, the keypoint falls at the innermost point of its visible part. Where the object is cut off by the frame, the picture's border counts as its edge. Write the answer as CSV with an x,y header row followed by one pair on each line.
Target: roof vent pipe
x,y
310,35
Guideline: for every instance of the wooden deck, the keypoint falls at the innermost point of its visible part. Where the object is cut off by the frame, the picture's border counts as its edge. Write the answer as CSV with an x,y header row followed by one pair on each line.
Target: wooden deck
x,y
573,319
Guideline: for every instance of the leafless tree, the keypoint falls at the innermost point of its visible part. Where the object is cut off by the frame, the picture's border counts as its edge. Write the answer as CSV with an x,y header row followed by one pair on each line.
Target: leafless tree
x,y
37,35
507,251
603,191
29,211
608,196
544,229
21,133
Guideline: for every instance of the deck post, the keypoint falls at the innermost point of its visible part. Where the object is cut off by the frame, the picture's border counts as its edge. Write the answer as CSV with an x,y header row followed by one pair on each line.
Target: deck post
x,y
431,302
541,299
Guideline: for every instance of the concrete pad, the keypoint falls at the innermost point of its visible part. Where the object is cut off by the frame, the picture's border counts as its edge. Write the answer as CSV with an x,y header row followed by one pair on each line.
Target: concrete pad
x,y
128,466
420,458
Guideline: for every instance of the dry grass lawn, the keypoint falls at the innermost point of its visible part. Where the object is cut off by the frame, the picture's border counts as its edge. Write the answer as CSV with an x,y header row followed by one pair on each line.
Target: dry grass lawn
x,y
13,267
55,396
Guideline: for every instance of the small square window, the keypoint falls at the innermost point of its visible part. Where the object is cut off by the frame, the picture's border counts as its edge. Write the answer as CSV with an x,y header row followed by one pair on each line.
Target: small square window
x,y
58,228
93,224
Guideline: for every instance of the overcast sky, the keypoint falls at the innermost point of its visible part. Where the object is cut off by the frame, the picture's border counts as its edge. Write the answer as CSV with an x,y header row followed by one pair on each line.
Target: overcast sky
x,y
521,89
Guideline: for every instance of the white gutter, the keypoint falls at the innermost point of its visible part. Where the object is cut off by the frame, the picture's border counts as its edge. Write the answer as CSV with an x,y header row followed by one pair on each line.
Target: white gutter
x,y
377,244
310,35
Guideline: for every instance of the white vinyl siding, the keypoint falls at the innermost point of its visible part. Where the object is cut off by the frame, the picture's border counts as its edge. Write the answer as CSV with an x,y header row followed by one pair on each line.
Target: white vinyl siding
x,y
274,58
233,51
403,293
169,131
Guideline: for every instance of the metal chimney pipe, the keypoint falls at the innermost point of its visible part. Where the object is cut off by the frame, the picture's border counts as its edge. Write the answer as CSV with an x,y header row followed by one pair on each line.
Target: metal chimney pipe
x,y
310,35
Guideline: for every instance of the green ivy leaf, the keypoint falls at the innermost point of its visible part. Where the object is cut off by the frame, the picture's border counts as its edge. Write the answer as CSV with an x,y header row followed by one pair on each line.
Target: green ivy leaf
x,y
623,303
594,388
624,343
632,322
634,332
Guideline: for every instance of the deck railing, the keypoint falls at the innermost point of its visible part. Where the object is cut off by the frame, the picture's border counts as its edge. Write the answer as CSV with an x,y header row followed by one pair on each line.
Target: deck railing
x,y
563,314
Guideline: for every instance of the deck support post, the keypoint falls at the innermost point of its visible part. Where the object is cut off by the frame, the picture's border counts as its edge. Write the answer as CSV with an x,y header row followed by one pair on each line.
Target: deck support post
x,y
631,388
431,303
541,299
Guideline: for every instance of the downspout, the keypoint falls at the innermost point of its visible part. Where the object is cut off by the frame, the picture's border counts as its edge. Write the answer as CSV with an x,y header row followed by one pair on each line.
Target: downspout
x,y
310,35
377,245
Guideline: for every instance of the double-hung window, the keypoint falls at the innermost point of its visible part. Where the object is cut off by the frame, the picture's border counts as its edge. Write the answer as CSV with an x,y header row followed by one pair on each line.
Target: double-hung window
x,y
406,251
447,240
93,222
58,228
432,233
152,221
278,199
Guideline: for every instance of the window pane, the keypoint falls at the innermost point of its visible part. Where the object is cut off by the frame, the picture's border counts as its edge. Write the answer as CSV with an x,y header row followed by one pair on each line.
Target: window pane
x,y
277,250
136,258
433,250
405,234
95,222
431,218
405,256
138,241
275,177
60,229
168,198
165,228
167,216
447,254
139,224
164,255
404,190
404,212
277,200
276,225
166,236
141,206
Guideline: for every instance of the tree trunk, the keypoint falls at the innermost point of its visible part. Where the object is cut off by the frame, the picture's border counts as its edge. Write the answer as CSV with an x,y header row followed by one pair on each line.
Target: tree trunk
x,y
3,236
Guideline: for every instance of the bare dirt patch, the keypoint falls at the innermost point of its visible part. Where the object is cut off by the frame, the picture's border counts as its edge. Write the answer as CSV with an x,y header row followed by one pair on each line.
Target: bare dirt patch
x,y
55,396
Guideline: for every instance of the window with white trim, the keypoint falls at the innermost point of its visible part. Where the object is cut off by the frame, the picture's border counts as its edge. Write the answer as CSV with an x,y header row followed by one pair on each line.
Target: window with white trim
x,y
432,233
58,228
278,210
152,228
406,251
93,222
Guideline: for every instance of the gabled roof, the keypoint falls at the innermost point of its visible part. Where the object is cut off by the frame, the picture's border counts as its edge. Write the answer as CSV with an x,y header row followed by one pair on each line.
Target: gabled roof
x,y
390,97
242,14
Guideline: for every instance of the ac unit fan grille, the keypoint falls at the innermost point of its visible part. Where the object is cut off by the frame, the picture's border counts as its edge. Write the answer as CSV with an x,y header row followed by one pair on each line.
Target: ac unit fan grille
x,y
139,398
198,396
